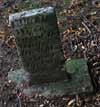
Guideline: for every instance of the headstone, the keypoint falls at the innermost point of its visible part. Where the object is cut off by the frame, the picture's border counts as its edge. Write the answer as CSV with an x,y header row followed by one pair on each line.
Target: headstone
x,y
38,42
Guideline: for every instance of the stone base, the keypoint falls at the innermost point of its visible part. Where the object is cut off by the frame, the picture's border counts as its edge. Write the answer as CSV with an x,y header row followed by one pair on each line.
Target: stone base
x,y
51,89
63,88
80,82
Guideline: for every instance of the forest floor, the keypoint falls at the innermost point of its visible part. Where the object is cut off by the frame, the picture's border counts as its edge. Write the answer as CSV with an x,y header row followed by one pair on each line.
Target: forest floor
x,y
9,60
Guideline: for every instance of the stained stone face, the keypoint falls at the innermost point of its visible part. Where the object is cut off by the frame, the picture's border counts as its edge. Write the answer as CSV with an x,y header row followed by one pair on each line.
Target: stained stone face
x,y
38,43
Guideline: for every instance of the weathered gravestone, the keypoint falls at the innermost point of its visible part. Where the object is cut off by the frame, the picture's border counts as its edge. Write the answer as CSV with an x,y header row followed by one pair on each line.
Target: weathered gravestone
x,y
38,43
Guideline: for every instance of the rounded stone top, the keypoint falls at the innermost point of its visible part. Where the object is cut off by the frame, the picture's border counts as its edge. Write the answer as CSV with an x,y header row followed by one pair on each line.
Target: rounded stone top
x,y
29,13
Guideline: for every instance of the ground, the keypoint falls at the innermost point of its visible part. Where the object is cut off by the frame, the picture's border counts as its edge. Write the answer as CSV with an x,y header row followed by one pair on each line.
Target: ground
x,y
9,60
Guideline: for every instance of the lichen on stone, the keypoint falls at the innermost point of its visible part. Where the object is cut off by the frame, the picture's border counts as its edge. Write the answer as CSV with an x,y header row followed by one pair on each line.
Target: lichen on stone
x,y
29,13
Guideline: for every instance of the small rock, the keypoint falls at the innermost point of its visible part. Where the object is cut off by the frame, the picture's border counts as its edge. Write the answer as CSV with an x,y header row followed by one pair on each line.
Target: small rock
x,y
41,105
